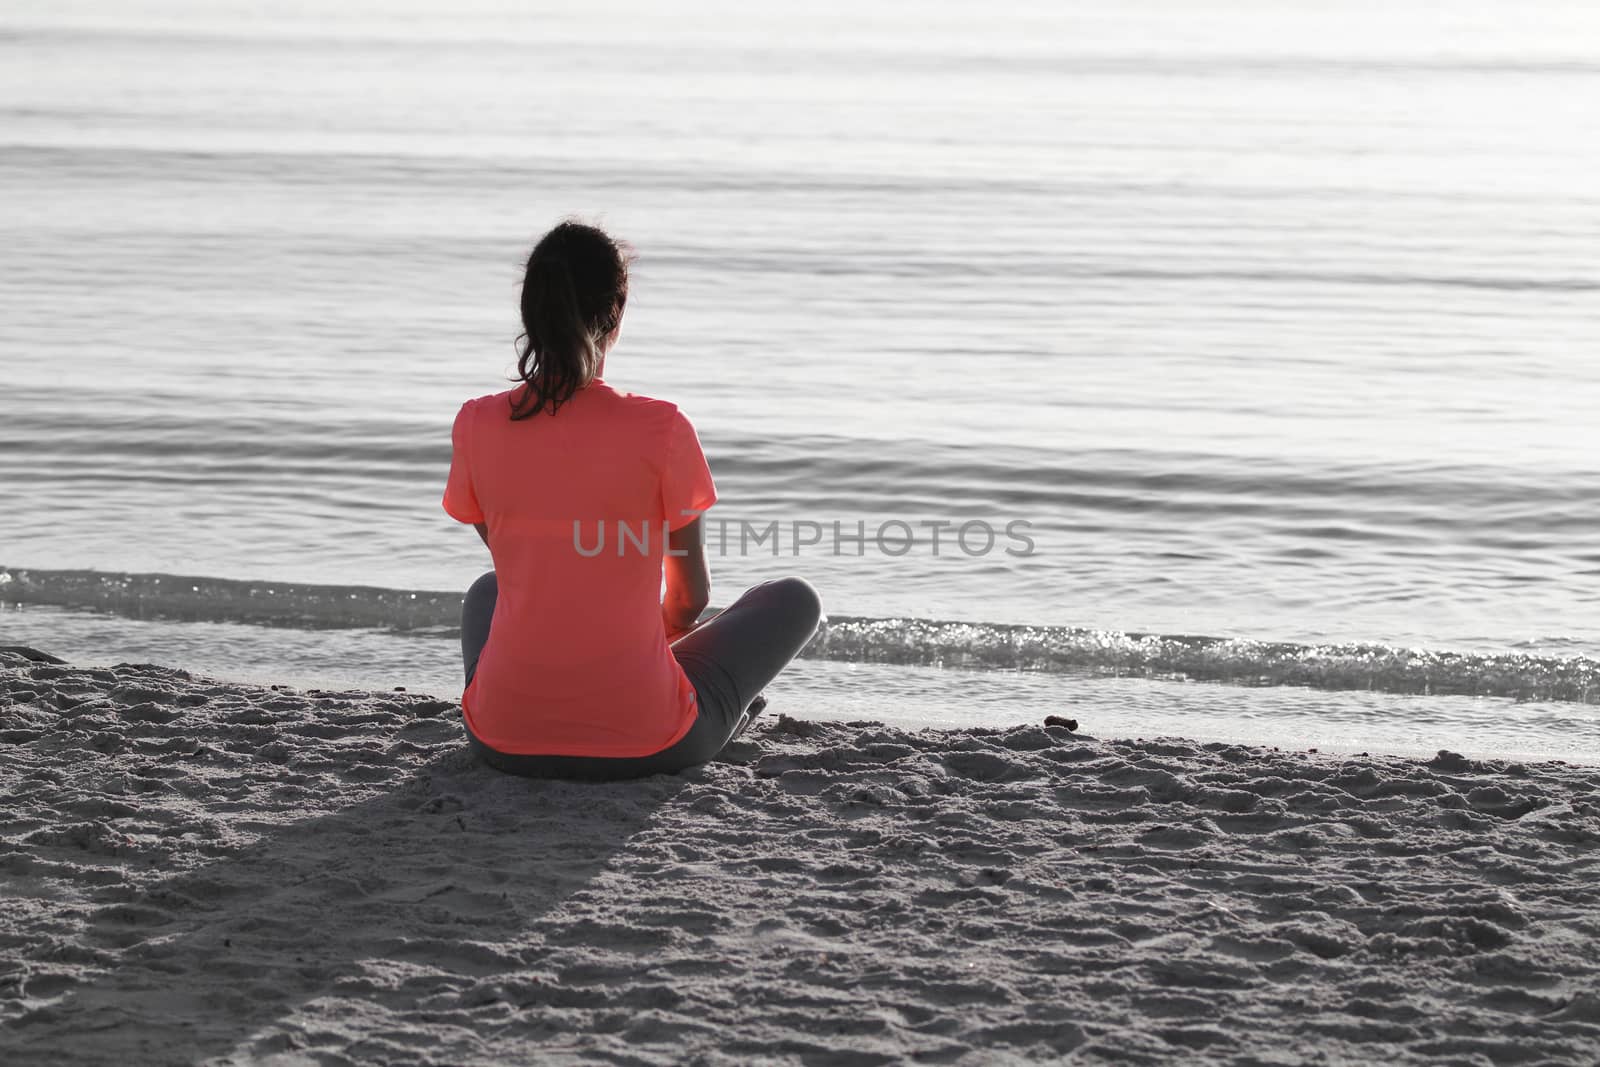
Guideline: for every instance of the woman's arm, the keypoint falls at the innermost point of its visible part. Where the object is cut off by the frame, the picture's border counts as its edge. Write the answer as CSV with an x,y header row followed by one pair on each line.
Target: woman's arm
x,y
483,532
688,580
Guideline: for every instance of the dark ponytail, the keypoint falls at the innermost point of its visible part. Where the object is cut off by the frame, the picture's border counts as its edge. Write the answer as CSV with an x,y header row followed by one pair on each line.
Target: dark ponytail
x,y
573,293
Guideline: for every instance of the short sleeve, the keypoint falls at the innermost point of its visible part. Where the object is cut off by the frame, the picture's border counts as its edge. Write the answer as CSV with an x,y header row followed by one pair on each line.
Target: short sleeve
x,y
686,485
460,500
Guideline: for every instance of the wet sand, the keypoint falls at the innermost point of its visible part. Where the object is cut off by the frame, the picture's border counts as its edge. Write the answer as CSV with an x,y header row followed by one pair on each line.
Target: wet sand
x,y
205,871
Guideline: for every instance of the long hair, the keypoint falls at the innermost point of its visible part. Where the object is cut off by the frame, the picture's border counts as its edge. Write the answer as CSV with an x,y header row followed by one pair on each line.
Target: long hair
x,y
573,293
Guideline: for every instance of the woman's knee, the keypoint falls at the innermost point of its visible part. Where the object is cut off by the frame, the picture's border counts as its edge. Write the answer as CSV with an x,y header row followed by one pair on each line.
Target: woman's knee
x,y
800,598
477,616
483,592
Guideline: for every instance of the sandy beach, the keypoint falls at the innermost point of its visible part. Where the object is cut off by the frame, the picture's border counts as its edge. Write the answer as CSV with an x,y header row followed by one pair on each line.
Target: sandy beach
x,y
203,871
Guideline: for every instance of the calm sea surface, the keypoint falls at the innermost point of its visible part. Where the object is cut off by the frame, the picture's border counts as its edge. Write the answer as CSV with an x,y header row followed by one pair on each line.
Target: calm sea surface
x,y
1274,323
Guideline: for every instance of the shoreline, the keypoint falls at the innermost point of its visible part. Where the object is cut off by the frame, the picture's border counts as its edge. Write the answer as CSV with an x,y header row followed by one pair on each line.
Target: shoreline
x,y
218,871
905,696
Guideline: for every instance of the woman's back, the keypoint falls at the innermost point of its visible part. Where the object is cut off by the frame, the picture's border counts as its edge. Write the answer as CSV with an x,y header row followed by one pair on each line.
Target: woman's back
x,y
577,503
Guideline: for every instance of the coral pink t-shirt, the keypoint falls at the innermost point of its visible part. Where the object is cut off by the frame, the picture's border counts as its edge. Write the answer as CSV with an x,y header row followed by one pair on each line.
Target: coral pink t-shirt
x,y
577,505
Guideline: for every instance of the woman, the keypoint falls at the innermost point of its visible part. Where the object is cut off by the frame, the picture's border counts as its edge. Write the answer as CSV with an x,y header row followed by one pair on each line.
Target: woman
x,y
576,665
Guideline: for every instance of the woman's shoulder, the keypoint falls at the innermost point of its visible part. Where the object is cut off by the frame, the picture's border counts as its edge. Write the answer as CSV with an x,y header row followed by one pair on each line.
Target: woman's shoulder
x,y
644,407
478,405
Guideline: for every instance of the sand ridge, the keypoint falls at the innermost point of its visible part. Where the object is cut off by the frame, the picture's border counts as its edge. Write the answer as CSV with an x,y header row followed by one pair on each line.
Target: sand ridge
x,y
204,871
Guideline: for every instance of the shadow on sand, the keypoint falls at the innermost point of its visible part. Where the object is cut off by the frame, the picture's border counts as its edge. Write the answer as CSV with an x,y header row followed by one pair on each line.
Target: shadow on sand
x,y
420,892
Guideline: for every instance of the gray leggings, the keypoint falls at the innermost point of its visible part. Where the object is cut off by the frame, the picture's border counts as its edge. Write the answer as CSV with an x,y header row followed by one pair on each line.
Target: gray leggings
x,y
729,660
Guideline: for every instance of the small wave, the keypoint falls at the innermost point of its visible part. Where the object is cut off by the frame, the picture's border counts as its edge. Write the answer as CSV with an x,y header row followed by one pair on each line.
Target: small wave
x,y
1235,661
187,598
913,642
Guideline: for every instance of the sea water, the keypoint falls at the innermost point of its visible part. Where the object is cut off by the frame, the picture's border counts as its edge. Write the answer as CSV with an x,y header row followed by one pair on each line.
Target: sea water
x,y
1269,327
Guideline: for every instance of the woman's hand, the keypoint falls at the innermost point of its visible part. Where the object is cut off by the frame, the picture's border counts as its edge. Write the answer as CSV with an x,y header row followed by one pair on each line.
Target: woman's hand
x,y
673,635
688,580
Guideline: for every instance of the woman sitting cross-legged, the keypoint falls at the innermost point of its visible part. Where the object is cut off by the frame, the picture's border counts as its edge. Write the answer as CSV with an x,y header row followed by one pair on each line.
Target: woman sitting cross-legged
x,y
576,666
